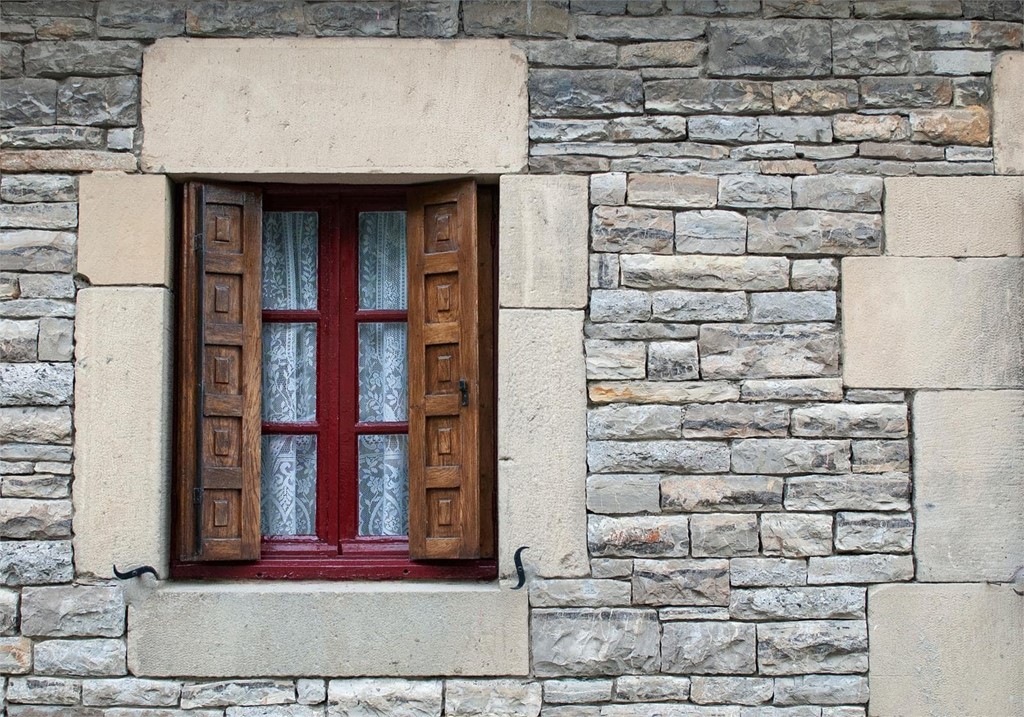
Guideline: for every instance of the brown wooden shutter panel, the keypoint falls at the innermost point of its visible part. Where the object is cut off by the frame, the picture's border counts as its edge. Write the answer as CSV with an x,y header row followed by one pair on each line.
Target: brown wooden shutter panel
x,y
451,474
218,462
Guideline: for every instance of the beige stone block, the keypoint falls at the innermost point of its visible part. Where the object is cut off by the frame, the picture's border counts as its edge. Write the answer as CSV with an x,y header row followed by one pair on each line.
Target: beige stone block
x,y
125,228
933,323
1008,113
122,429
333,106
969,485
954,216
543,241
328,629
542,442
946,650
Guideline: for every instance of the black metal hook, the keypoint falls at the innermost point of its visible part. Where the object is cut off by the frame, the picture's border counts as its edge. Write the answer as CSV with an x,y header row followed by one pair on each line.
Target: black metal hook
x,y
517,558
142,570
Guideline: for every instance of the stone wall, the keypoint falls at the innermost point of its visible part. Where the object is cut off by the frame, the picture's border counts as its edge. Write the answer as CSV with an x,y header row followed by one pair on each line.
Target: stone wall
x,y
749,458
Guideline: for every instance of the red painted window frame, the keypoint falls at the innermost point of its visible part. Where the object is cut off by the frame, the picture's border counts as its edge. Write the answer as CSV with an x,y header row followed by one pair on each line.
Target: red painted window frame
x,y
337,552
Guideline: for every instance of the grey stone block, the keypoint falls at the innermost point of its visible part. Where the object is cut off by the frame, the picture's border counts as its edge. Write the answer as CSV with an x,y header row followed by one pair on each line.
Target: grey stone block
x,y
698,648
681,582
589,642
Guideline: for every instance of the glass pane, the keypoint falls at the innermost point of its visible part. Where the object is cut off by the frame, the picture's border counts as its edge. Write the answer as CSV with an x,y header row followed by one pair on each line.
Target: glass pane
x,y
384,485
383,372
289,372
382,283
289,260
288,485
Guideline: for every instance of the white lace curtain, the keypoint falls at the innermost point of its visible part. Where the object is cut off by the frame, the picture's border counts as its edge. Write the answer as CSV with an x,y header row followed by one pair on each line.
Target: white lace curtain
x,y
383,376
288,503
288,490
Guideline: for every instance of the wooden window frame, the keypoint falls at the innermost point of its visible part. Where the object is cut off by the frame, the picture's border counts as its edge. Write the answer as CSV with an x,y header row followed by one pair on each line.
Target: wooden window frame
x,y
337,552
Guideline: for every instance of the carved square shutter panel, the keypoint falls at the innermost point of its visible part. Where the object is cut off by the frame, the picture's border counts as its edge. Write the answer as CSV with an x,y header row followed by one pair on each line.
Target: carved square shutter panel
x,y
218,461
451,478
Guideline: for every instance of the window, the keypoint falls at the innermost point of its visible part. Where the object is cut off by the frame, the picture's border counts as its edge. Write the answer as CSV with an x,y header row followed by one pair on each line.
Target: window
x,y
336,382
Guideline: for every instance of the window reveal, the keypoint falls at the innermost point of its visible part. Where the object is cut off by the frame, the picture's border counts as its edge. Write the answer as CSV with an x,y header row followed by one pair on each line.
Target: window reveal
x,y
375,456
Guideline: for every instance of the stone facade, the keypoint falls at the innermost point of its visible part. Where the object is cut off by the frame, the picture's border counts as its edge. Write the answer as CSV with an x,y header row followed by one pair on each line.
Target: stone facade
x,y
753,511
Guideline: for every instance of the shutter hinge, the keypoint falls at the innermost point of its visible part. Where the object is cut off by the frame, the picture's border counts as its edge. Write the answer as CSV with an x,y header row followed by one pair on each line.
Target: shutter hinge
x,y
197,495
197,241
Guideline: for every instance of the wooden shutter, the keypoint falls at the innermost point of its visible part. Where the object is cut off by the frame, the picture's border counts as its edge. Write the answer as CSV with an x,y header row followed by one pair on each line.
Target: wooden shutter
x,y
451,384
218,461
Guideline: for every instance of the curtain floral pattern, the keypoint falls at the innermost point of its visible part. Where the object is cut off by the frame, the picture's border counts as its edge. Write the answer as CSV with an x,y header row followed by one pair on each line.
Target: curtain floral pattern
x,y
383,376
288,472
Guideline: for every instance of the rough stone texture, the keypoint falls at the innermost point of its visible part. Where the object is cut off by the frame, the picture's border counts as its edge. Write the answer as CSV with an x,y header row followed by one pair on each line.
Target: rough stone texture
x,y
83,58
633,230
701,648
731,690
838,192
494,17
788,648
795,535
490,697
801,389
615,359
954,216
728,492
130,691
34,562
623,422
102,102
763,351
648,456
649,688
695,96
115,460
1007,99
34,519
874,532
44,690
40,384
782,48
903,328
814,232
781,307
699,306
732,421
920,661
598,642
37,250
870,48
968,485
970,125
367,698
623,494
538,349
723,535
125,229
72,612
245,692
751,191
861,420
666,190
639,536
585,93
15,655
672,361
810,603
887,491
704,272
681,582
759,572
710,232
87,658
785,456
480,127
844,569
579,593
821,690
